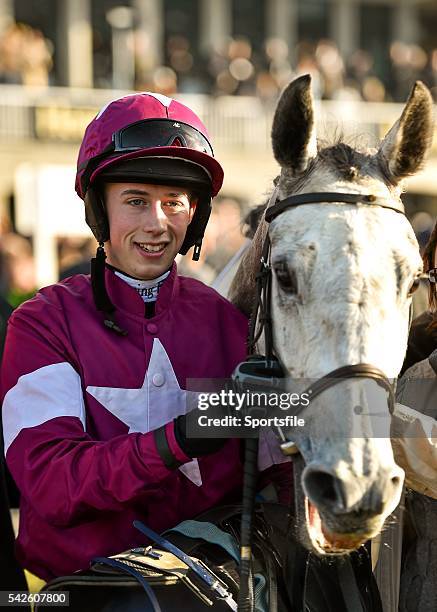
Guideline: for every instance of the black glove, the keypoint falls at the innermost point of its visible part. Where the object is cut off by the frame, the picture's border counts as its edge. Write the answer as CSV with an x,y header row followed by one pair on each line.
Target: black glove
x,y
194,447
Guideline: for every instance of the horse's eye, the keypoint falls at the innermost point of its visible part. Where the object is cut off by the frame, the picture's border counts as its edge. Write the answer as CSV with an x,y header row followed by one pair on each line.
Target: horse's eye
x,y
286,278
414,286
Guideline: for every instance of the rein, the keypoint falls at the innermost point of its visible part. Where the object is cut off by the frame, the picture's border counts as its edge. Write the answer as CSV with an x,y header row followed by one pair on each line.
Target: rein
x,y
267,369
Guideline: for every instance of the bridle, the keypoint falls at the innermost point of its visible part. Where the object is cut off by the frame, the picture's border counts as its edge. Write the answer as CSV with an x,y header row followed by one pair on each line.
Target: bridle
x,y
262,308
267,370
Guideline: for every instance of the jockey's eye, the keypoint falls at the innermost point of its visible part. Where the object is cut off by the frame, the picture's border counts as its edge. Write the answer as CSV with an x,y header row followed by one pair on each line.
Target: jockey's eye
x,y
414,286
286,278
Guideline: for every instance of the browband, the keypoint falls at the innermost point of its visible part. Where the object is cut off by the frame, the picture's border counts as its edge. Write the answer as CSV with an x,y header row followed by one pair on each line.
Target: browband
x,y
317,198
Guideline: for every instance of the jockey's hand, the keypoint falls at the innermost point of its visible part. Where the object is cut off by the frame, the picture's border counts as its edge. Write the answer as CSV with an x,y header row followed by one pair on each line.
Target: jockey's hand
x,y
194,447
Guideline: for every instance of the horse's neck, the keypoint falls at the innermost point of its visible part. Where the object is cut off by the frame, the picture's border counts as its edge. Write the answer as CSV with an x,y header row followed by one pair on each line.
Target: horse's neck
x,y
242,289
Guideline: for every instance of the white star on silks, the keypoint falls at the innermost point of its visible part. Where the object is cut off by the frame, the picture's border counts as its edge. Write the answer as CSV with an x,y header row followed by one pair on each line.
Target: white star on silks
x,y
152,405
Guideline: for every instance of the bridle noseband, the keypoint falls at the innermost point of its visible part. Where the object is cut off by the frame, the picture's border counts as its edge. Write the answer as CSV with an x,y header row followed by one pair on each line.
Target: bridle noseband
x,y
262,307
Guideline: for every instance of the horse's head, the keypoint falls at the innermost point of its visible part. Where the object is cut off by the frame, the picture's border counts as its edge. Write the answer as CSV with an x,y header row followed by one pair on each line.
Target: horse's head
x,y
343,275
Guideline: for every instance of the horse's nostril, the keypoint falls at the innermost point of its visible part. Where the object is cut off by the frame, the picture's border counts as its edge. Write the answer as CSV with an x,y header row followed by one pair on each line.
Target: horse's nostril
x,y
339,496
323,488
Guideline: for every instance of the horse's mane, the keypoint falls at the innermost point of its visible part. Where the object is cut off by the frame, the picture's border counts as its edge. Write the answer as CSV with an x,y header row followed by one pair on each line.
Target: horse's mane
x,y
241,291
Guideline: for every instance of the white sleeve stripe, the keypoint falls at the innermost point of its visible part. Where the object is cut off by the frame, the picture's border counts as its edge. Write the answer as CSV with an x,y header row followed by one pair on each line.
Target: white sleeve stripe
x,y
49,392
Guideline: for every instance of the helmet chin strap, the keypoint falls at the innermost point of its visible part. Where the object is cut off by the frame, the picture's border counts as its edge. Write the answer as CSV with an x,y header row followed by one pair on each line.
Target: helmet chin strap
x,y
100,295
196,250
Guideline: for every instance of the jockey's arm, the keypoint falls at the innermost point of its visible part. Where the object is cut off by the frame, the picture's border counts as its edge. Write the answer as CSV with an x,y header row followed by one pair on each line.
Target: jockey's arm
x,y
69,476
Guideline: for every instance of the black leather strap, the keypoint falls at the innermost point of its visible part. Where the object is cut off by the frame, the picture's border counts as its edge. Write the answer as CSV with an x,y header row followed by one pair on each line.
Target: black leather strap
x,y
317,198
359,370
349,588
164,451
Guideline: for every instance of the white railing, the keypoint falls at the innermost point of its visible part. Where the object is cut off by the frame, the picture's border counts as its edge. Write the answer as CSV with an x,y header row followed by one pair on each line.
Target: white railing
x,y
61,114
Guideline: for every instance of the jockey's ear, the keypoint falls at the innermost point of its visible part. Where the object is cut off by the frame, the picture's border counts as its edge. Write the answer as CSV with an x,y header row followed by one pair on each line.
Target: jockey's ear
x,y
404,149
293,132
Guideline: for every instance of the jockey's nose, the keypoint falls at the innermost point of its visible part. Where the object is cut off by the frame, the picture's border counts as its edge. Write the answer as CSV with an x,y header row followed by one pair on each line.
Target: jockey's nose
x,y
327,491
154,218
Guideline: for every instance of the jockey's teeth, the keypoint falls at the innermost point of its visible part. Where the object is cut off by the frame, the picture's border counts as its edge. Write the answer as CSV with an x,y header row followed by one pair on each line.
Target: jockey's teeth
x,y
151,248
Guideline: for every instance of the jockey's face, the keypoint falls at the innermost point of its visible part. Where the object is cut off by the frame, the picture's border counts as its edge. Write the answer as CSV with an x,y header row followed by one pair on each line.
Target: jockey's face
x,y
147,225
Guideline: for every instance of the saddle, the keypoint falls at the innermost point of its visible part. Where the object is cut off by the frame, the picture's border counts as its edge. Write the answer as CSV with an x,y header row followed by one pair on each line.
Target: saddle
x,y
290,578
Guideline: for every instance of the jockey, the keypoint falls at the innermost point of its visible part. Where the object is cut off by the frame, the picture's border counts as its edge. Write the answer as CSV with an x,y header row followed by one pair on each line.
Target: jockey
x,y
94,380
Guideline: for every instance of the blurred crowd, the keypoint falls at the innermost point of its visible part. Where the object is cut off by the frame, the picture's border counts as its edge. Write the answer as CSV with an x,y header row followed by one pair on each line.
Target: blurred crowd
x,y
26,57
17,265
241,70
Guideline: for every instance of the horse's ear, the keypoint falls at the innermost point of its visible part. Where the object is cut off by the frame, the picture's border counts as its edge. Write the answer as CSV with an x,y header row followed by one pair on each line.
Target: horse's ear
x,y
404,149
293,131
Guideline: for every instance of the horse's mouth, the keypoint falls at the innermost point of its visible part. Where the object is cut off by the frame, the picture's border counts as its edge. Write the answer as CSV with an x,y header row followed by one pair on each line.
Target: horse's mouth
x,y
326,541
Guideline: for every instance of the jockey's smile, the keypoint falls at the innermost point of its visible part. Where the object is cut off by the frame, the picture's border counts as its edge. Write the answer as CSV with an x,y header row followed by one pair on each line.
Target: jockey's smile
x,y
147,224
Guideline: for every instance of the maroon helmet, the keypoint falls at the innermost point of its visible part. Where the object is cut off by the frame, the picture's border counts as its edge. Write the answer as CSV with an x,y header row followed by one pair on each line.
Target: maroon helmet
x,y
150,138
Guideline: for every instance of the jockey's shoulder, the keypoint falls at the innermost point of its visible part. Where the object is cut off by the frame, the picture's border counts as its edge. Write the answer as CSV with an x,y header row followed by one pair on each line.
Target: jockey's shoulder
x,y
191,286
52,296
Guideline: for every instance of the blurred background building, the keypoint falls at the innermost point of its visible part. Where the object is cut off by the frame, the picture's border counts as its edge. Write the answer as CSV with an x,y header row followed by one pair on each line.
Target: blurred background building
x,y
61,60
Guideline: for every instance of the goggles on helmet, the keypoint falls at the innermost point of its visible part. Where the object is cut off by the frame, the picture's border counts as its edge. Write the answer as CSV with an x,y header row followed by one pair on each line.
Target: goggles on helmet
x,y
149,133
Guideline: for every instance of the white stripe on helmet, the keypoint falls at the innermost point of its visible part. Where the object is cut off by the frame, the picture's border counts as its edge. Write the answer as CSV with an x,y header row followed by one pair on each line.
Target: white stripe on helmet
x,y
165,101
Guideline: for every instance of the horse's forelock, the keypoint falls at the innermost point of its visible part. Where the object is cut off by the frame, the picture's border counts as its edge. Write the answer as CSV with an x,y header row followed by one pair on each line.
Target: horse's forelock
x,y
344,160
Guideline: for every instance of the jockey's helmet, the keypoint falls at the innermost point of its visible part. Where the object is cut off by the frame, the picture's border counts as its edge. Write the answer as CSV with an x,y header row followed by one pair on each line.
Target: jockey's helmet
x,y
150,138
